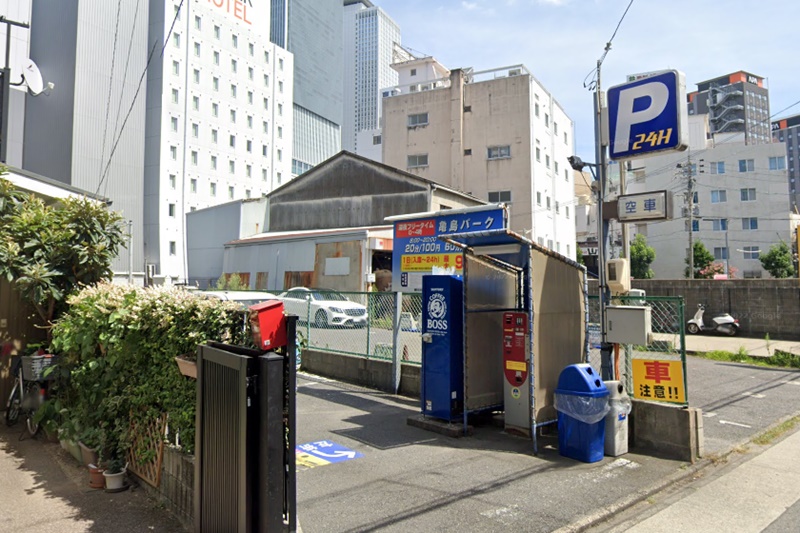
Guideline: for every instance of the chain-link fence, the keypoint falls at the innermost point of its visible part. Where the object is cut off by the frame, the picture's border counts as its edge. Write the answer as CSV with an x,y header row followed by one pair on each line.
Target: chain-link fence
x,y
666,344
359,323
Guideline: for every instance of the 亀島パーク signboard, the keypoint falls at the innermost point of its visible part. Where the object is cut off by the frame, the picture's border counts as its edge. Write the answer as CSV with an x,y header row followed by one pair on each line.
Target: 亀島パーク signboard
x,y
417,249
648,116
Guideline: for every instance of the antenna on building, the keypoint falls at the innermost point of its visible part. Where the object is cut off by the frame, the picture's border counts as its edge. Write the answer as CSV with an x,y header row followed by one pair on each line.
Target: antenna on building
x,y
33,78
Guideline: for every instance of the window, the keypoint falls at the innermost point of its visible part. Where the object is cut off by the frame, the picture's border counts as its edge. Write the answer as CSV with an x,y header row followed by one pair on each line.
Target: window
x,y
235,40
193,185
555,167
499,152
751,252
266,104
215,83
746,165
497,197
719,197
197,49
546,120
233,91
250,121
216,32
280,109
213,189
173,124
278,175
280,86
536,109
175,96
280,64
695,225
550,243
216,57
280,155
548,202
172,181
266,80
214,136
264,150
196,103
719,224
251,49
718,167
565,138
748,195
230,193
213,162
171,210
555,128
265,125
176,40
720,253
547,161
280,135
749,223
416,161
232,141
777,163
249,146
250,97
232,166
558,207
196,76
197,23
173,248
176,68
195,130
250,73
417,119
233,116
233,65
248,171
194,157
173,153
413,72
538,154
566,174
263,174
566,212
538,198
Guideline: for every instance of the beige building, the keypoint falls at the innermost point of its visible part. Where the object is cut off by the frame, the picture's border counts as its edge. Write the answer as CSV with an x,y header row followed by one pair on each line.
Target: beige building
x,y
497,134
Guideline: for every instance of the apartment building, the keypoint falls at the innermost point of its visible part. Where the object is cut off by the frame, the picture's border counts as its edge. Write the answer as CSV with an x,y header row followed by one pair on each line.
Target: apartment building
x,y
787,131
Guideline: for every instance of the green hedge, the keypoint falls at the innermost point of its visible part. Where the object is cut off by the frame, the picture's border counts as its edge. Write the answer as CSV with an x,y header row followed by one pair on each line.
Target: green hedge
x,y
118,345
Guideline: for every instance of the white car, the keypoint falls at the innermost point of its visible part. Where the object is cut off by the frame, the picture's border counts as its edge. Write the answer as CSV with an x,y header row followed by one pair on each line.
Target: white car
x,y
323,307
246,298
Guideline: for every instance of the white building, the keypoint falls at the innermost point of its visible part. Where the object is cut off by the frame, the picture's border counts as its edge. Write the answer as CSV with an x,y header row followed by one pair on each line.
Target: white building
x,y
219,118
497,134
370,37
740,199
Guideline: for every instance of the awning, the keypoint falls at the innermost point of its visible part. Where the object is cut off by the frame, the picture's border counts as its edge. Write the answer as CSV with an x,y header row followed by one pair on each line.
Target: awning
x,y
501,244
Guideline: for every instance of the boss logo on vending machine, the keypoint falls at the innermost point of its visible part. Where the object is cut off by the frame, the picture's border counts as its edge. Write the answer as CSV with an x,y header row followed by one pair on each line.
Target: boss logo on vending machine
x,y
437,310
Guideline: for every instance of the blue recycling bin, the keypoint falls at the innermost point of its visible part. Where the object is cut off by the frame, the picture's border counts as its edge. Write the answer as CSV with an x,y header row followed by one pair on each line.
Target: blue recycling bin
x,y
582,404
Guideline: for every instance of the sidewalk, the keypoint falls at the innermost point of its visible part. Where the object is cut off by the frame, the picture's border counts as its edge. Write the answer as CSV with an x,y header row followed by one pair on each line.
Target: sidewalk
x,y
747,497
753,346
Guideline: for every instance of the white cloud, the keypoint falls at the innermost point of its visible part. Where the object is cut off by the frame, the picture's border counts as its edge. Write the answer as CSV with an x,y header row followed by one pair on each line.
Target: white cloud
x,y
469,6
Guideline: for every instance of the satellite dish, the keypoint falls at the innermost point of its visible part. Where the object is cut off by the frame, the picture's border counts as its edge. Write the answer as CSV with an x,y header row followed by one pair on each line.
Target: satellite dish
x,y
33,77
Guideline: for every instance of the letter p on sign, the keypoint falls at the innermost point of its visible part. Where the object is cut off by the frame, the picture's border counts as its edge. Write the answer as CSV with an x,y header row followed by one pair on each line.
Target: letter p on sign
x,y
648,116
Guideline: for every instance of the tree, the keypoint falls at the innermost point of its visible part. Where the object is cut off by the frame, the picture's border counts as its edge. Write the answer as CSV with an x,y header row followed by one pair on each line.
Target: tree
x,y
702,259
49,251
579,255
642,256
778,261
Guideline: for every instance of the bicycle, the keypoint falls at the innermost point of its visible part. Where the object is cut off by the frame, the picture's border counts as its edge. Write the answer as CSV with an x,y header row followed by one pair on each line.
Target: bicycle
x,y
30,389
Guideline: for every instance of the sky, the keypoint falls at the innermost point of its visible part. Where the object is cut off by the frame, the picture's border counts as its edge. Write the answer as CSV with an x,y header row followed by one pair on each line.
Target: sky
x,y
560,41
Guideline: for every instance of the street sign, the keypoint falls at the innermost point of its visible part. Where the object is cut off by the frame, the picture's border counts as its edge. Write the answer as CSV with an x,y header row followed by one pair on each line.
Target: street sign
x,y
417,249
645,206
323,452
648,116
658,381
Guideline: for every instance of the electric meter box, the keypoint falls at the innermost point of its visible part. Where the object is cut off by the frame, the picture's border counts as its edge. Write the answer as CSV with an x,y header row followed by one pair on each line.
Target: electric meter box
x,y
628,324
618,275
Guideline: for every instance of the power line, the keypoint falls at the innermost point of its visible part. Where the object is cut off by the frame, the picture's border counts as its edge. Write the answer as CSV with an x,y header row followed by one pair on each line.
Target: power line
x,y
110,84
595,70
136,94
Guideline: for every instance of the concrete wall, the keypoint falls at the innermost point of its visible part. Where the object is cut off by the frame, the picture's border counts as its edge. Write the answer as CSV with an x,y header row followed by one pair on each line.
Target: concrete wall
x,y
372,373
667,430
761,305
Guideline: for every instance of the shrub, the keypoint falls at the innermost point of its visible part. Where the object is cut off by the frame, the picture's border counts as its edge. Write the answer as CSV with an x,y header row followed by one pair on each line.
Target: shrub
x,y
118,345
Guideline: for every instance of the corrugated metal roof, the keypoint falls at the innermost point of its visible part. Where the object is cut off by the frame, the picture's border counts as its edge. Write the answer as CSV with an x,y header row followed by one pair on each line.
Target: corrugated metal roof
x,y
290,235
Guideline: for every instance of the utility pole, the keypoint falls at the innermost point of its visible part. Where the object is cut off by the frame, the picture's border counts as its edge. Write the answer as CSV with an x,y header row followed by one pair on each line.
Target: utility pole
x,y
6,88
626,241
687,172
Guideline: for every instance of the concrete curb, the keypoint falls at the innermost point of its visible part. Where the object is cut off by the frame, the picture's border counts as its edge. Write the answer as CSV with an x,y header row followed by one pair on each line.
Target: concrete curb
x,y
585,522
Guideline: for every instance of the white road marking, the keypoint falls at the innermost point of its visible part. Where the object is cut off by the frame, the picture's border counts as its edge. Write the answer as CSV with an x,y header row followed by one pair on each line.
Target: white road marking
x,y
786,381
709,415
505,515
737,424
753,395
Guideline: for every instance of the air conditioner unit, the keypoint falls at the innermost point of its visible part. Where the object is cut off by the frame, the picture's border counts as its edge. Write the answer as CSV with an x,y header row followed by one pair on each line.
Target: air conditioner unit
x,y
515,72
413,88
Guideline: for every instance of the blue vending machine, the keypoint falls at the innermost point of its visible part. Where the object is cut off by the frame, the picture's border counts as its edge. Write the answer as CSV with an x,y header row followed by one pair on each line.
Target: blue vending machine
x,y
442,386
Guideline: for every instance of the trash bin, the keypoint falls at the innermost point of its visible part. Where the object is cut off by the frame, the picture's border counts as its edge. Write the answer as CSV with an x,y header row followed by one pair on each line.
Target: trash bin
x,y
581,400
616,421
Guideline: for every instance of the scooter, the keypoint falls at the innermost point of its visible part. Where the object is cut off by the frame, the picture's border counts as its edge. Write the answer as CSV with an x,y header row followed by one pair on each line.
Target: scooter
x,y
723,323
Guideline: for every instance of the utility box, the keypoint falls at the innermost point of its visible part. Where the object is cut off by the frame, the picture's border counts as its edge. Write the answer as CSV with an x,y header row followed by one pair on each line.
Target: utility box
x,y
516,353
618,275
628,324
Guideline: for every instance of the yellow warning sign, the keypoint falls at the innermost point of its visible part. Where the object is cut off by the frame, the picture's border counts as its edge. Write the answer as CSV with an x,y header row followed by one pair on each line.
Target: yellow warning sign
x,y
520,366
424,262
658,380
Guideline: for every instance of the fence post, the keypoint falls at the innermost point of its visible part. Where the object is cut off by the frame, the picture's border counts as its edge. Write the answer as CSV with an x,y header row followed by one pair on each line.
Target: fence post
x,y
396,348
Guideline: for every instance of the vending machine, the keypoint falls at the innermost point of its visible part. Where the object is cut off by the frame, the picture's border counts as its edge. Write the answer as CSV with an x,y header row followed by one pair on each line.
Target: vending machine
x,y
442,377
516,356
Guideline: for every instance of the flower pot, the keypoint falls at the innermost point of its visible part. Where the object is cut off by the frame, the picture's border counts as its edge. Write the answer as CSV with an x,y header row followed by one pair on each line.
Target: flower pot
x,y
72,447
96,479
187,366
114,481
88,455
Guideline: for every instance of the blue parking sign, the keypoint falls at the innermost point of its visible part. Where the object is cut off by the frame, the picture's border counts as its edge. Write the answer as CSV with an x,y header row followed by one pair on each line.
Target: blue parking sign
x,y
648,116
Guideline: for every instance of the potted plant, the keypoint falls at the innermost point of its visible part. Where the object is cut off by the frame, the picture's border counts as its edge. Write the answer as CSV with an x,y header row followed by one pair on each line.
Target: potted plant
x,y
115,475
89,443
96,478
187,364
